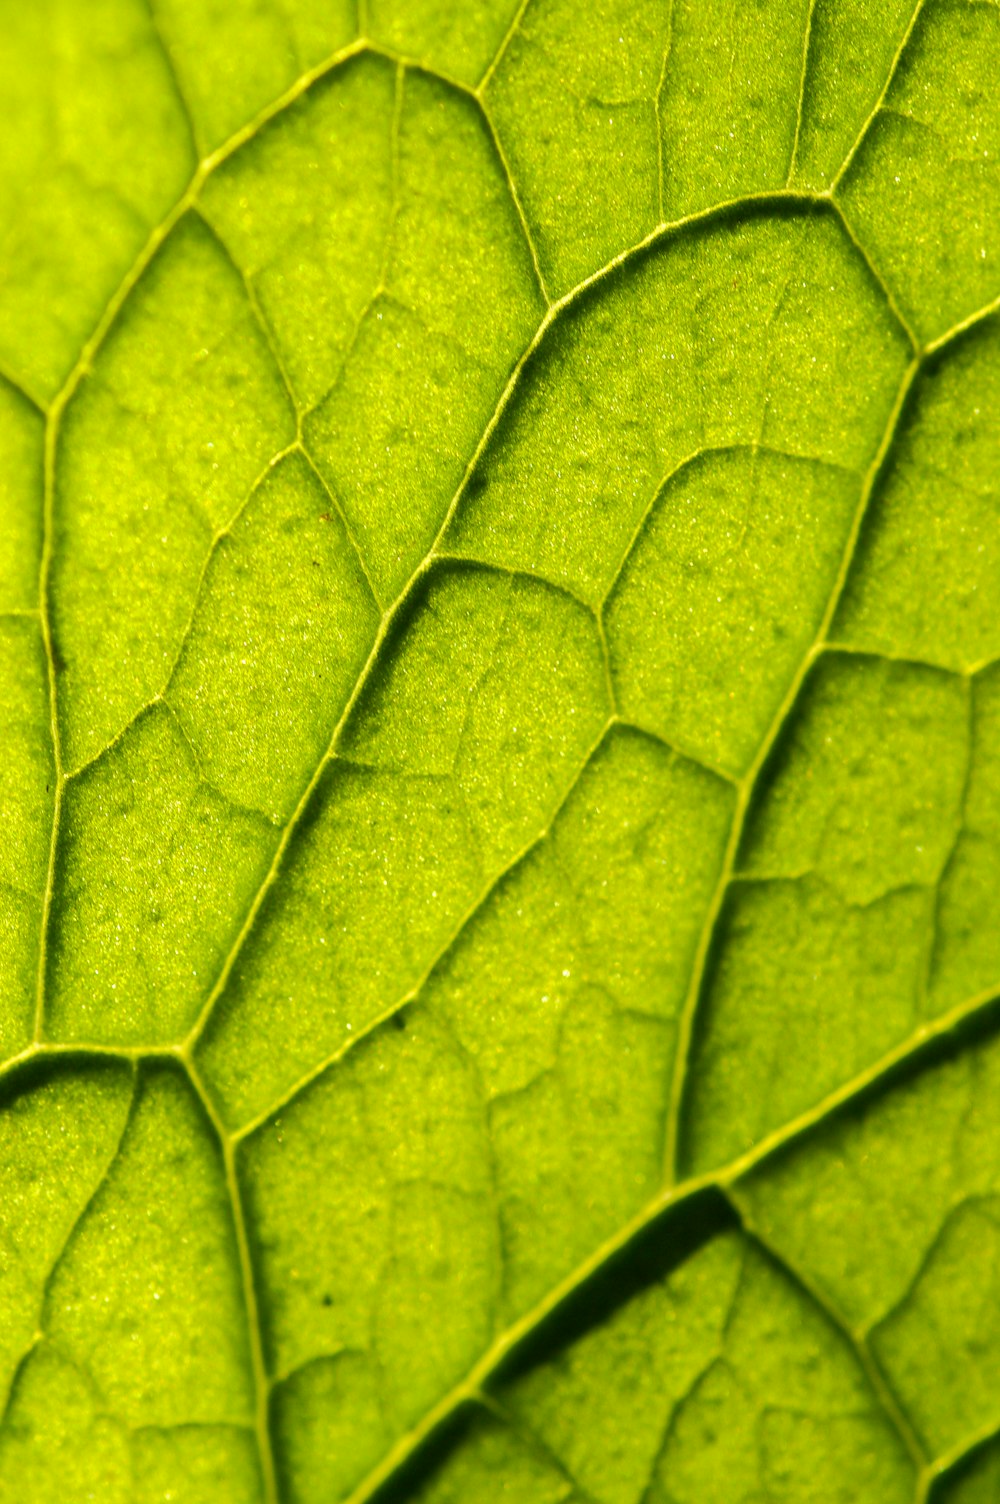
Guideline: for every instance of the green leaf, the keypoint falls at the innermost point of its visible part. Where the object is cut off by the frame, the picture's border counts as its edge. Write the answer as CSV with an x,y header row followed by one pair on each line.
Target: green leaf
x,y
498,668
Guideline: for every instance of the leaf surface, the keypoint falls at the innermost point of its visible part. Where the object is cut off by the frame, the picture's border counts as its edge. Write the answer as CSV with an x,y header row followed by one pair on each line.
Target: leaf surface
x,y
498,947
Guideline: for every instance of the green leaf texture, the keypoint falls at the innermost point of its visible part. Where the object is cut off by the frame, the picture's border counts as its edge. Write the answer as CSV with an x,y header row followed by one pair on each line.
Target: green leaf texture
x,y
499,642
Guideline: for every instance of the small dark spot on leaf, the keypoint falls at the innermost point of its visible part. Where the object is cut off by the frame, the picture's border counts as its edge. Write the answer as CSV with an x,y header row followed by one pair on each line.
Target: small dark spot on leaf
x,y
326,516
328,1300
399,1021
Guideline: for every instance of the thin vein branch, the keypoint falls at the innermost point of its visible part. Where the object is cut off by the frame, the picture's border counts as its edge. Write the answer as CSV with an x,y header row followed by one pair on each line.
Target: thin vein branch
x,y
749,202
878,279
262,1422
888,1401
386,625
957,330
45,616
516,572
522,217
800,106
685,1033
508,37
677,749
703,451
411,64
876,107
961,823
20,386
657,106
918,1044
175,79
834,648
670,1196
530,1438
345,521
277,106
260,318
160,696
81,1215
476,1380
413,993
395,129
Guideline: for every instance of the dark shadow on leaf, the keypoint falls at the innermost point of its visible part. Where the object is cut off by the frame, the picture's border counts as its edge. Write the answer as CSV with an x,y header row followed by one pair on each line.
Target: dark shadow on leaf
x,y
651,1256
30,1076
978,1472
423,1465
979,1028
